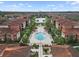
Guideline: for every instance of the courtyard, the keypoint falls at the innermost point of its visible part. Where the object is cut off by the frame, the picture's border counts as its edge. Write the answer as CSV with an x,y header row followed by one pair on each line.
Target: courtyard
x,y
40,37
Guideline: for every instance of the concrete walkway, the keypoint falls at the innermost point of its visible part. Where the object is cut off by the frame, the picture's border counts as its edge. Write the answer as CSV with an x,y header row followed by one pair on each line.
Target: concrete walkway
x,y
40,52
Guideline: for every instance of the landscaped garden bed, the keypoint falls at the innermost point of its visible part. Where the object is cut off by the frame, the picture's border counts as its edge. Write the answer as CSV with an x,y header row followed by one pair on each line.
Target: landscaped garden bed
x,y
34,46
34,54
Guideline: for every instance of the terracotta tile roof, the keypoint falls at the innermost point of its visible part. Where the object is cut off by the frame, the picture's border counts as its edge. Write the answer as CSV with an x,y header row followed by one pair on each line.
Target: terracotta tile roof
x,y
69,24
68,31
4,22
20,51
65,22
13,23
4,30
64,51
18,21
74,52
71,31
3,46
7,30
14,50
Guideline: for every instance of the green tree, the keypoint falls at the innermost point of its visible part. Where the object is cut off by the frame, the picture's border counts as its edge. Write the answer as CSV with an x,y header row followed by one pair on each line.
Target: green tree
x,y
59,40
2,14
46,50
71,39
35,46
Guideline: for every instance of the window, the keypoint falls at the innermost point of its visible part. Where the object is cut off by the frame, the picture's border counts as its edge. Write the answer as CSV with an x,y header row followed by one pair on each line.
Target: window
x,y
37,20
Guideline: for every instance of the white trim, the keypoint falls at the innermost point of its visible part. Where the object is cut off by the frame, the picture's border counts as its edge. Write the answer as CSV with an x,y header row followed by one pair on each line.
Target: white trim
x,y
76,27
40,20
63,35
3,26
24,24
18,35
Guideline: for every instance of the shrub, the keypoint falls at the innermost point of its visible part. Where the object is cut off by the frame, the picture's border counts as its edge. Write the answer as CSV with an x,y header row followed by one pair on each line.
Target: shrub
x,y
45,50
35,46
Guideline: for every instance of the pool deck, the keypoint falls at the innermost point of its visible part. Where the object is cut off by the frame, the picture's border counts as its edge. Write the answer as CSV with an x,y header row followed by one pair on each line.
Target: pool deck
x,y
46,41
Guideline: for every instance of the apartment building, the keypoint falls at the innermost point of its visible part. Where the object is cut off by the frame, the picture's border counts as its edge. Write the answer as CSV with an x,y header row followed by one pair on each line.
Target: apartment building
x,y
11,29
66,26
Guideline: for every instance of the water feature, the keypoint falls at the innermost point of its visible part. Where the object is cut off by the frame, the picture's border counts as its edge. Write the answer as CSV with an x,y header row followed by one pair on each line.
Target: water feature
x,y
40,36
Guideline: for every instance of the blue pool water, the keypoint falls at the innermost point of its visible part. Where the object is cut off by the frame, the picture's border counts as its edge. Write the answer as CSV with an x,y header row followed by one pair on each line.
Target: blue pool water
x,y
40,36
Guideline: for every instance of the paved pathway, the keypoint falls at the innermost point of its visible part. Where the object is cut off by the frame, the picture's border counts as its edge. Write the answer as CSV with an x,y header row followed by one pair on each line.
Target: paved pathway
x,y
40,52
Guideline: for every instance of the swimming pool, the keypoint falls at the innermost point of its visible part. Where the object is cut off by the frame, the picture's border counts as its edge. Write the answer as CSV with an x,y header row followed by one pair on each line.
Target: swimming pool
x,y
40,36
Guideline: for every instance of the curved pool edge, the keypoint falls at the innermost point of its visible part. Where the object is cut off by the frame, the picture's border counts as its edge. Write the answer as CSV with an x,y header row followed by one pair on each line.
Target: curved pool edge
x,y
40,36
